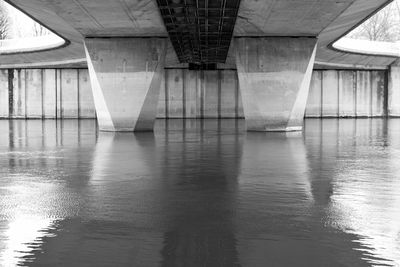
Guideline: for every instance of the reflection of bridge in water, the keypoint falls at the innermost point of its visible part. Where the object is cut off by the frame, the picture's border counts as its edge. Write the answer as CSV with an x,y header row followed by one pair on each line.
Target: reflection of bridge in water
x,y
200,193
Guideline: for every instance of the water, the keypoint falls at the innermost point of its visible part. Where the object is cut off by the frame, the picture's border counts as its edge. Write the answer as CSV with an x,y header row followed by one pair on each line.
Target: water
x,y
200,193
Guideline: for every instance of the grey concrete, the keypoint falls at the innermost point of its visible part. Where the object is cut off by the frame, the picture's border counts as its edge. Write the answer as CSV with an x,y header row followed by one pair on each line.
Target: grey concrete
x,y
175,92
349,93
85,96
76,19
274,95
314,102
211,87
126,75
49,94
69,94
378,94
4,109
200,94
162,108
192,99
286,17
126,97
46,94
19,94
363,94
330,94
229,99
33,93
394,92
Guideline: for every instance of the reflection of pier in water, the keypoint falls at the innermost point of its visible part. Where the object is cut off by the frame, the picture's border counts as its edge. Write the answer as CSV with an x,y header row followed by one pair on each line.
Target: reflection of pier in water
x,y
207,195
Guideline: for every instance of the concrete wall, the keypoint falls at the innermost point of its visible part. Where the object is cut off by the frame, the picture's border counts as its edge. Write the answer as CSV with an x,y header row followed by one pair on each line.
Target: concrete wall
x,y
4,107
200,94
66,93
46,93
394,92
347,93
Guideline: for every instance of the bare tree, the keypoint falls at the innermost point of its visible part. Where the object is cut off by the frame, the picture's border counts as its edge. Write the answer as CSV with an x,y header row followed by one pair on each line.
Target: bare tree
x,y
383,26
4,22
39,30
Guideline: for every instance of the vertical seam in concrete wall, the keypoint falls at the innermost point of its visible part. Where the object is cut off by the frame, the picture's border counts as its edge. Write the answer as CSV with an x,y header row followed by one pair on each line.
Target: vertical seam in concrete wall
x,y
55,88
198,95
25,95
78,89
17,83
322,96
236,92
183,94
166,94
338,94
61,96
42,91
355,80
10,73
371,110
386,94
19,90
202,92
219,77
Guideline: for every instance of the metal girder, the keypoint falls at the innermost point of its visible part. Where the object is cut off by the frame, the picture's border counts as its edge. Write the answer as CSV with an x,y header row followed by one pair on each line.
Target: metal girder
x,y
200,30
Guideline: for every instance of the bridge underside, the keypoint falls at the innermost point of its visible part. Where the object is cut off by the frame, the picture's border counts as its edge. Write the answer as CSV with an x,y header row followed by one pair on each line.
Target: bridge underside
x,y
200,30
272,44
274,72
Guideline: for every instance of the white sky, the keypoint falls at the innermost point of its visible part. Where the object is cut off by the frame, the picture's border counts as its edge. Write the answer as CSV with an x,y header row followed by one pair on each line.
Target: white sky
x,y
21,24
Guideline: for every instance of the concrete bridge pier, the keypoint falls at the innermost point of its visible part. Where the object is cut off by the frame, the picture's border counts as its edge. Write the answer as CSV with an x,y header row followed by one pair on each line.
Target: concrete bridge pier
x,y
274,77
125,74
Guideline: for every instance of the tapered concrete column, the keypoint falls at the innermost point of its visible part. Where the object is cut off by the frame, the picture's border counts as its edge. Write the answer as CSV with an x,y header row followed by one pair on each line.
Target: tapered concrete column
x,y
125,74
274,77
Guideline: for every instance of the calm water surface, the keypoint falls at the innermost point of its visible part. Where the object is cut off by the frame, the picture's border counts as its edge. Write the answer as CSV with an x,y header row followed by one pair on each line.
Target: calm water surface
x,y
200,193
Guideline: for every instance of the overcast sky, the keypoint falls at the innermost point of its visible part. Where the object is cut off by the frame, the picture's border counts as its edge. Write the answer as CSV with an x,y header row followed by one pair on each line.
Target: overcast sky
x,y
21,24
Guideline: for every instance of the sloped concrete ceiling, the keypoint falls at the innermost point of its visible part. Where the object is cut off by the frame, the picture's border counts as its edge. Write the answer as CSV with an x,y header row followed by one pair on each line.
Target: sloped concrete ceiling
x,y
110,18
351,17
142,17
75,19
287,17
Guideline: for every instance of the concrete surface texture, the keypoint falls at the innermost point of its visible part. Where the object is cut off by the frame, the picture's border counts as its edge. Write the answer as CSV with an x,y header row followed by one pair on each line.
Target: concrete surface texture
x,y
274,76
75,20
66,93
194,94
274,73
46,94
125,74
346,93
287,18
394,91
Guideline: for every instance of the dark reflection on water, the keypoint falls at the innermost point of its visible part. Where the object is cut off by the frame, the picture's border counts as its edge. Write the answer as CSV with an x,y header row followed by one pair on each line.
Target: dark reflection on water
x,y
200,193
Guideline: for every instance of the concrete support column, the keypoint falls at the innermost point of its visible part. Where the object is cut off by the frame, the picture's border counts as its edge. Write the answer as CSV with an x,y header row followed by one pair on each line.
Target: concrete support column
x,y
274,77
126,74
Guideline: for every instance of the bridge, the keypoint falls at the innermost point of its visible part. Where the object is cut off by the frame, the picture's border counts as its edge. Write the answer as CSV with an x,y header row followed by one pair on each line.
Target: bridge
x,y
127,44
